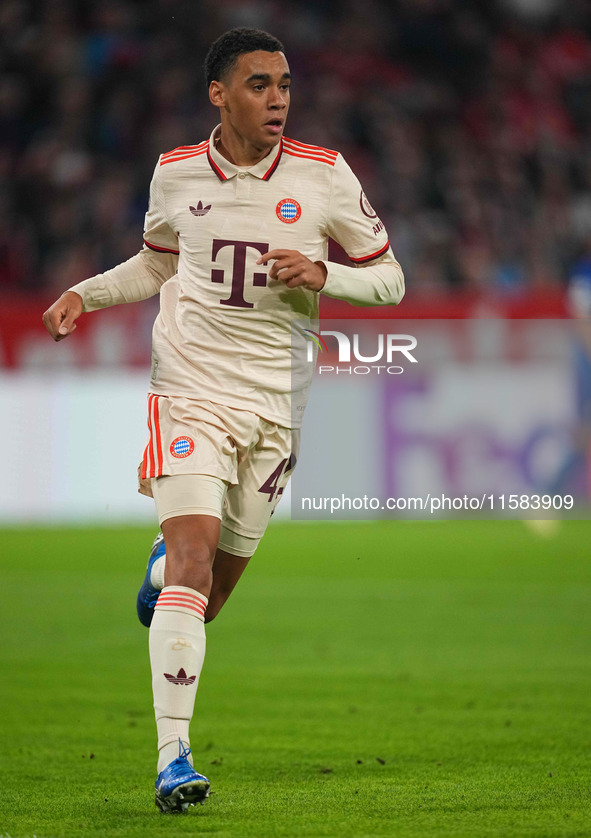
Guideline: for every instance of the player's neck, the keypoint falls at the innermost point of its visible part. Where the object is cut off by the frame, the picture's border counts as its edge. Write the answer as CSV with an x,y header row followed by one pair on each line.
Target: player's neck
x,y
238,150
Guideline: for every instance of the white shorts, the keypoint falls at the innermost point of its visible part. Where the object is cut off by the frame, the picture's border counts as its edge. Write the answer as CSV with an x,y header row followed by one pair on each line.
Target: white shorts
x,y
253,457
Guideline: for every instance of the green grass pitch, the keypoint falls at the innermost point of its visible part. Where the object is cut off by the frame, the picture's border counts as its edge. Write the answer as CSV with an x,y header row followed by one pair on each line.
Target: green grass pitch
x,y
380,679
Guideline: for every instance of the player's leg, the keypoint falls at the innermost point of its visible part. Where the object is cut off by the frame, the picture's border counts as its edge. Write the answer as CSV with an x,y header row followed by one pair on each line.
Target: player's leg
x,y
189,461
263,475
177,632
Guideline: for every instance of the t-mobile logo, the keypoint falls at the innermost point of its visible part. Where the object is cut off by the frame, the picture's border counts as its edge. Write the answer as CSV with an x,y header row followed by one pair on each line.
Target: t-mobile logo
x,y
236,297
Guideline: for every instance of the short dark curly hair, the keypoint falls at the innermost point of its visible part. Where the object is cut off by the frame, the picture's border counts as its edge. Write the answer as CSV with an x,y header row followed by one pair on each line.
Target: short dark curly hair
x,y
223,53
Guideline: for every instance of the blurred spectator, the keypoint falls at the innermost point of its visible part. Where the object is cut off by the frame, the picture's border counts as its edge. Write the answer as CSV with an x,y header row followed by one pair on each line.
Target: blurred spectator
x,y
469,122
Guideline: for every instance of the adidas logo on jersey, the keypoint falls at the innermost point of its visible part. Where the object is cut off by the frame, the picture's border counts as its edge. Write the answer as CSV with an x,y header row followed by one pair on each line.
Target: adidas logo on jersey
x,y
200,209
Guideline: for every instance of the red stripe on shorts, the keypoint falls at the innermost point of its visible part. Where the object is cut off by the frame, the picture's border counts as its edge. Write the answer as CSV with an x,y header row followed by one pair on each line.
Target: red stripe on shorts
x,y
159,463
146,467
153,461
152,458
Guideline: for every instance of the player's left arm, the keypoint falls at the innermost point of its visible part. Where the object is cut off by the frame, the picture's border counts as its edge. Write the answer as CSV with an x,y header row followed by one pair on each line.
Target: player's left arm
x,y
375,279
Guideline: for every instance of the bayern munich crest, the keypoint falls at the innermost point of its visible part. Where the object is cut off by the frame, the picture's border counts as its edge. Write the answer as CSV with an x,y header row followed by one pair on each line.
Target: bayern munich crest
x,y
182,446
288,210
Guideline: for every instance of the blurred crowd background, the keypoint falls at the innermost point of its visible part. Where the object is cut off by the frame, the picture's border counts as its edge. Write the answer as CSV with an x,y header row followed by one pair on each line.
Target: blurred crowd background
x,y
468,123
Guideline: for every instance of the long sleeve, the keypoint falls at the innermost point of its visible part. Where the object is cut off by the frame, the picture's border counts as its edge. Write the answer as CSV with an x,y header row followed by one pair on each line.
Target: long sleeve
x,y
137,279
379,284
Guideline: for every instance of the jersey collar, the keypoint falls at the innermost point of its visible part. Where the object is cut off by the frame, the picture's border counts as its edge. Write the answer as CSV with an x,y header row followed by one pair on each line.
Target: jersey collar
x,y
226,170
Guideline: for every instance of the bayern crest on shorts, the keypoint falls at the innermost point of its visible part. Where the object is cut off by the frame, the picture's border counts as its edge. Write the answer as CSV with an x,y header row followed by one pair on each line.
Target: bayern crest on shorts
x,y
288,210
182,446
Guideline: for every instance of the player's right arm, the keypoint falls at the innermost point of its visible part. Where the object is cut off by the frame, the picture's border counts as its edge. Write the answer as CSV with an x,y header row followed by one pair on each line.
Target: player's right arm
x,y
60,318
137,279
140,277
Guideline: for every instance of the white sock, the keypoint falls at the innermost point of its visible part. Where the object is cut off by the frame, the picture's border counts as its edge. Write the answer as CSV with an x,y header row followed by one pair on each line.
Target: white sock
x,y
157,573
177,651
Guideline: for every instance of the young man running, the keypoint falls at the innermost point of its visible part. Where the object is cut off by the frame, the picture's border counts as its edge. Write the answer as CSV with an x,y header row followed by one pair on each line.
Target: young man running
x,y
236,243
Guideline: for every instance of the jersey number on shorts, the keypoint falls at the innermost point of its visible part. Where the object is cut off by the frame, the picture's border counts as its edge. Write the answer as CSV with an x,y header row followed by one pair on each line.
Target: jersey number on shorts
x,y
271,485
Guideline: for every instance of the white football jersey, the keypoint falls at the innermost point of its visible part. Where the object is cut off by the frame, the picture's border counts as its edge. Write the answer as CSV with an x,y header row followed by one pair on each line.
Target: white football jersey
x,y
224,332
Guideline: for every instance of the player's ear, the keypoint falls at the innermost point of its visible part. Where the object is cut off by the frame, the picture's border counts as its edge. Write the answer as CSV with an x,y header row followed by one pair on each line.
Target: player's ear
x,y
216,94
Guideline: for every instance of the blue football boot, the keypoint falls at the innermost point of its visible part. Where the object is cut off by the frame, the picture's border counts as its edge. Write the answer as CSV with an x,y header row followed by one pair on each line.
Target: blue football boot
x,y
148,594
179,786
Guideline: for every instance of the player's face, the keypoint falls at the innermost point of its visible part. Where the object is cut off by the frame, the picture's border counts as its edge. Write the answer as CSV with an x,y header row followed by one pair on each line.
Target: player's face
x,y
255,98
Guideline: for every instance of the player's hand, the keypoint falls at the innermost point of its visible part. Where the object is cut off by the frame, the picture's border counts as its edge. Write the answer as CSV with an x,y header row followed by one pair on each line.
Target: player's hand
x,y
59,318
293,268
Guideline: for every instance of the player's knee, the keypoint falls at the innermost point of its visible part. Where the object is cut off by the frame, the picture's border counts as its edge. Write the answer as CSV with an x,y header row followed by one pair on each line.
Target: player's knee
x,y
189,564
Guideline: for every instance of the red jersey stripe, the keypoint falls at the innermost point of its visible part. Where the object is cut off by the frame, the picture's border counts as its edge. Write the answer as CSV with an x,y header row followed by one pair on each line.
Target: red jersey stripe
x,y
319,153
375,255
160,249
309,157
316,155
186,148
182,157
314,148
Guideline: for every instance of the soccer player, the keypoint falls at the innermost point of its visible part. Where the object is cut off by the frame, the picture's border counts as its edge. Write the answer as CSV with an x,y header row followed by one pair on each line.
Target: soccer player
x,y
236,244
